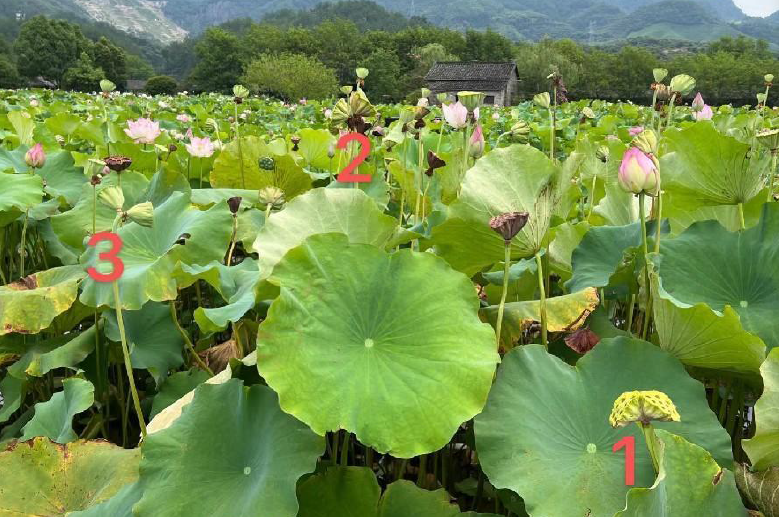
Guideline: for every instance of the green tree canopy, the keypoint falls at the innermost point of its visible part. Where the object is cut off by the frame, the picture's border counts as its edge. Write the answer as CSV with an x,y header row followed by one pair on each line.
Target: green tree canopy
x,y
47,48
291,77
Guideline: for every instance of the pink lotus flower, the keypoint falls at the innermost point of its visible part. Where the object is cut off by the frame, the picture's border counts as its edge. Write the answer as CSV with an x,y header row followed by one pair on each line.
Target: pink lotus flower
x,y
35,157
143,130
200,147
456,115
698,104
328,113
638,173
634,131
303,102
704,114
184,118
495,116
476,143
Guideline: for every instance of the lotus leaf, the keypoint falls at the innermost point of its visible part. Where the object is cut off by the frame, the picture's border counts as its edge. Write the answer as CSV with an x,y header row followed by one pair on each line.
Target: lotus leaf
x,y
53,419
760,488
372,324
763,448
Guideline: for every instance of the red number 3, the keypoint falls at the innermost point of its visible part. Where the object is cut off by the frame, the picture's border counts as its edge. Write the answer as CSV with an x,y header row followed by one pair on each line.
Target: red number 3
x,y
346,175
110,256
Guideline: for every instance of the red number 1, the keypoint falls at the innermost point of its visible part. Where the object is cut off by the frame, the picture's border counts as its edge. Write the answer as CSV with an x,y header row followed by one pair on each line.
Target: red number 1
x,y
346,175
110,256
629,443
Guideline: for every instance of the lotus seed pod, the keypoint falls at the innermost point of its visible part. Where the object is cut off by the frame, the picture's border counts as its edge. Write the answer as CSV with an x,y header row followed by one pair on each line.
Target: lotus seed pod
x,y
643,407
271,196
267,163
112,197
117,163
346,90
683,83
602,153
508,225
235,204
769,138
543,99
660,74
471,100
646,141
582,340
142,213
761,98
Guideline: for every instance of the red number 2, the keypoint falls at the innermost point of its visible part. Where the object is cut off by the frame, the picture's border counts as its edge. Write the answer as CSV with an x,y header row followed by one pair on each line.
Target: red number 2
x,y
110,256
629,444
346,175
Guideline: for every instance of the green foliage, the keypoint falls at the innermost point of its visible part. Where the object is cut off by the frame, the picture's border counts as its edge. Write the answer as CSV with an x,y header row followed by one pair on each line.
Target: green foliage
x,y
220,62
83,76
291,77
138,68
161,85
111,59
9,75
48,48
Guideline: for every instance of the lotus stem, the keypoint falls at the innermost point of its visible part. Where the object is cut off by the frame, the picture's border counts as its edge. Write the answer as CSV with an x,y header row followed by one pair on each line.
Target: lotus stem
x,y
501,307
22,246
741,221
670,111
654,111
419,173
187,340
229,259
647,306
552,123
200,172
127,363
345,450
774,157
631,305
466,130
658,220
422,473
649,436
542,291
592,197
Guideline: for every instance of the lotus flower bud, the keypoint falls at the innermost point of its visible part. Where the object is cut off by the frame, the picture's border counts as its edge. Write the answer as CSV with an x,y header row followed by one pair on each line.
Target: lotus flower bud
x,y
761,98
602,153
234,203
683,83
240,91
508,225
107,86
769,138
471,100
142,214
112,197
646,141
362,73
520,129
582,340
271,196
698,104
442,97
543,99
769,79
638,173
660,74
643,407
476,143
35,157
331,150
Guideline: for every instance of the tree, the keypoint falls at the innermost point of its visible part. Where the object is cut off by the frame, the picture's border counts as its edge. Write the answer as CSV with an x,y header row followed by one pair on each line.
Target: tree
x,y
291,77
112,59
383,82
220,63
138,68
486,46
83,76
48,48
161,85
9,75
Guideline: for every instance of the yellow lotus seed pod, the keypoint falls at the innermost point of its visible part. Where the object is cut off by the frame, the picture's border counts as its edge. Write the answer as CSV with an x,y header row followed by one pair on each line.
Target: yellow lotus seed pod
x,y
644,407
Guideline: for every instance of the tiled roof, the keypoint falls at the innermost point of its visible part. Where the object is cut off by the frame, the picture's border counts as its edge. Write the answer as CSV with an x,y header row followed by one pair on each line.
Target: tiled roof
x,y
456,86
473,70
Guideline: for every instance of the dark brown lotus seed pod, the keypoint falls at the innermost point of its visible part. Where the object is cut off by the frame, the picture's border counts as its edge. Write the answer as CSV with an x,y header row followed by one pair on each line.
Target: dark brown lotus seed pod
x,y
508,225
172,148
295,141
117,163
433,162
234,203
95,180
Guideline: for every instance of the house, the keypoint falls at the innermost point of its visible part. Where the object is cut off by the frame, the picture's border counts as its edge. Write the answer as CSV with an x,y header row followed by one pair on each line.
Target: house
x,y
497,80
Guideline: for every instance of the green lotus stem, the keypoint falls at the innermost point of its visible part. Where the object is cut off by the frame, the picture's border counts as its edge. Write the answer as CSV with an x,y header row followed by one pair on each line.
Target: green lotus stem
x,y
658,219
200,172
240,150
542,291
506,265
497,142
229,259
552,128
422,474
345,450
440,137
479,490
647,307
631,305
741,221
649,436
189,167
774,156
22,250
335,447
419,174
268,208
369,457
424,195
466,136
187,340
592,197
127,364
670,111
654,111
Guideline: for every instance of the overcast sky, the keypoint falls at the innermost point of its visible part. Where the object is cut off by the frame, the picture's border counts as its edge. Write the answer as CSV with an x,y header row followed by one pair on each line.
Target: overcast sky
x,y
758,7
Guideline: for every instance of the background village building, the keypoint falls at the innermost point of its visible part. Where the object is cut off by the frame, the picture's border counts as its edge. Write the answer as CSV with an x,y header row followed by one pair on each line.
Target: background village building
x,y
497,80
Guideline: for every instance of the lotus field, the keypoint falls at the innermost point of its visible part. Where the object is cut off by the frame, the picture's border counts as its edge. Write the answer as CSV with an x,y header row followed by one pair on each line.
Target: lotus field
x,y
229,306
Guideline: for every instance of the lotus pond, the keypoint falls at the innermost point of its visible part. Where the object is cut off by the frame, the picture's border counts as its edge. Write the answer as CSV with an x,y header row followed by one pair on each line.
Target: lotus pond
x,y
547,310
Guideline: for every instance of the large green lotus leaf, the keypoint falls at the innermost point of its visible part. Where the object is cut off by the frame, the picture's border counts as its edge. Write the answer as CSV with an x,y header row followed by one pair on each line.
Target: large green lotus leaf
x,y
347,211
63,123
564,314
689,484
377,189
73,226
314,145
387,346
68,355
355,492
545,435
41,478
760,488
711,265
230,171
515,178
250,222
698,336
63,179
155,342
763,448
30,305
120,505
602,254
54,418
619,208
175,387
567,237
681,215
13,161
19,192
23,124
150,254
705,167
232,452
206,197
13,390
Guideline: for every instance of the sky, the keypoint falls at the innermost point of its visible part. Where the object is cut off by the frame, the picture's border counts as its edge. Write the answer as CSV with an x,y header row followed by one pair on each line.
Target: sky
x,y
758,7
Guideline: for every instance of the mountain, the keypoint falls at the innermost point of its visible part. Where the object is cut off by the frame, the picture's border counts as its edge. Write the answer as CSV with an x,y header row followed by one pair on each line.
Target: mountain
x,y
595,21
